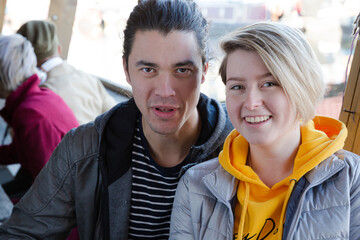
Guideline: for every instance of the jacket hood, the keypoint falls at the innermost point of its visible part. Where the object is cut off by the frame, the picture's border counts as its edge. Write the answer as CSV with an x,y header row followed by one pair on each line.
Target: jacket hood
x,y
216,126
320,138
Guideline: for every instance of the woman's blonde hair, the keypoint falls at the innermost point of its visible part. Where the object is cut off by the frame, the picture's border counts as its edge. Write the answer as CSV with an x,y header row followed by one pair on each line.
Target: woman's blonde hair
x,y
289,58
17,61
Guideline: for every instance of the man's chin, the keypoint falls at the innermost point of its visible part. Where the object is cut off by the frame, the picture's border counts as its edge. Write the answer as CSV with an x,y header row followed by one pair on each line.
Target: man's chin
x,y
164,129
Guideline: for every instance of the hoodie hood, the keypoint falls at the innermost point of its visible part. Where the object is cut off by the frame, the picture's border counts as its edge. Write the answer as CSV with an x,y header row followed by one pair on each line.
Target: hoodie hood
x,y
263,207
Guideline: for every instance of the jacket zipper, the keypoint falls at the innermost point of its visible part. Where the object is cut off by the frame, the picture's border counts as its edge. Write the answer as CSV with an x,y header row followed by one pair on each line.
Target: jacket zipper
x,y
228,206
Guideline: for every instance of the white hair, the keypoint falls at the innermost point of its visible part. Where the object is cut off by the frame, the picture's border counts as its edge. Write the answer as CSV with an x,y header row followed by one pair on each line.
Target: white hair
x,y
17,61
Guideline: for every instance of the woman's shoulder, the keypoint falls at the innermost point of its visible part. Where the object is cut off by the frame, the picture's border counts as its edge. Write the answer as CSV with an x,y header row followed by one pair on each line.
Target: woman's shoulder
x,y
211,165
200,170
351,161
350,158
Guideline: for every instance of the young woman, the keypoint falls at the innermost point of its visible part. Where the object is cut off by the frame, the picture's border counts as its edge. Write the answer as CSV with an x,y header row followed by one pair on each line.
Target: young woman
x,y
282,172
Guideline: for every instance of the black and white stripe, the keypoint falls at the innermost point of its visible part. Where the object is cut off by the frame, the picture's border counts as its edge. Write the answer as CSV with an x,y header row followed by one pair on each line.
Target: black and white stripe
x,y
152,196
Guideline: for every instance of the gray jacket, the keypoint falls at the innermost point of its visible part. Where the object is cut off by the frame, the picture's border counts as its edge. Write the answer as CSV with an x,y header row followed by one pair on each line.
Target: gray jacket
x,y
325,204
87,181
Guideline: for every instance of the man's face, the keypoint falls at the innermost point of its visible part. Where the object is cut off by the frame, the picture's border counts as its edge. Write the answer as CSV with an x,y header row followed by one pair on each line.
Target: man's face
x,y
165,72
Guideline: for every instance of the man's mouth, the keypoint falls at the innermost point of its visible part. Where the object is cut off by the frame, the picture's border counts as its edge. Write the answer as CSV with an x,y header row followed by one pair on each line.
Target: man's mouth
x,y
165,110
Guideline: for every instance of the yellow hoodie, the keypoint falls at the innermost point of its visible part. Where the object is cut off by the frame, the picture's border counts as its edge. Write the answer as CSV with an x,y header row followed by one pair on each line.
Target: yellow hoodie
x,y
260,210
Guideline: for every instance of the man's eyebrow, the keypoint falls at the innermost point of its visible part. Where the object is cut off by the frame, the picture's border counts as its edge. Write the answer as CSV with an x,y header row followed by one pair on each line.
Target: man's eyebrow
x,y
184,63
144,63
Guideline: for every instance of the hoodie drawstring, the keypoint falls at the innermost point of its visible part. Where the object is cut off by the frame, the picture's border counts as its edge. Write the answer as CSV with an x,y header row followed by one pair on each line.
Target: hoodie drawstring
x,y
244,209
283,211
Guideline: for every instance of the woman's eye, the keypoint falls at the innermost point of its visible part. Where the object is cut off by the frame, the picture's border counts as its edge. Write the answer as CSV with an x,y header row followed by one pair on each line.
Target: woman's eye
x,y
237,87
270,84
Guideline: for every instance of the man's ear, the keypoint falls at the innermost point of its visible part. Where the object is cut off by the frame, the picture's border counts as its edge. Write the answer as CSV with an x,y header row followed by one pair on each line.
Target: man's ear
x,y
59,48
205,69
126,71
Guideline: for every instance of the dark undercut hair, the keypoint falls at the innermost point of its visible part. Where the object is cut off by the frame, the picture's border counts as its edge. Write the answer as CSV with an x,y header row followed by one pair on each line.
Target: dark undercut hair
x,y
166,16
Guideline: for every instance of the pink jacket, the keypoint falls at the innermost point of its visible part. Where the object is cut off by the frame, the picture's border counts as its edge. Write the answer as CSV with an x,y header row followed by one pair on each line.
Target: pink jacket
x,y
39,119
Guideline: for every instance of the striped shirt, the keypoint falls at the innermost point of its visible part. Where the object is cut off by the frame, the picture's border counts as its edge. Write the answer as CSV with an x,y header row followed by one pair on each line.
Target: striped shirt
x,y
152,195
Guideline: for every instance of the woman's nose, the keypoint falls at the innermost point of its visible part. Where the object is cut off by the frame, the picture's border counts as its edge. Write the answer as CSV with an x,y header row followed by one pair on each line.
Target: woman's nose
x,y
253,99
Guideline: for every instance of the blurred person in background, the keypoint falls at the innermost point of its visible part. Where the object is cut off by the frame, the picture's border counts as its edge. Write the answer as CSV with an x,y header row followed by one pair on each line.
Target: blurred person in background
x,y
38,117
83,93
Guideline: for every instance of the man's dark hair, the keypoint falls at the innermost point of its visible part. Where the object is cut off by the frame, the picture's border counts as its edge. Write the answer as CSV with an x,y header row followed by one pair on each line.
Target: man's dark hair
x,y
166,16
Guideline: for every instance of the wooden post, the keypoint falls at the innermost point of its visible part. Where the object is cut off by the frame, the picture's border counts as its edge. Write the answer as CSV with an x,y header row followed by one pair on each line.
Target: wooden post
x,y
62,14
350,111
2,13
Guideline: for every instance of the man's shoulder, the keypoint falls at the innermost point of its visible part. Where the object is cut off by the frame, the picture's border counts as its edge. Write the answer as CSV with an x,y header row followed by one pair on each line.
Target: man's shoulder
x,y
122,112
67,71
82,141
85,141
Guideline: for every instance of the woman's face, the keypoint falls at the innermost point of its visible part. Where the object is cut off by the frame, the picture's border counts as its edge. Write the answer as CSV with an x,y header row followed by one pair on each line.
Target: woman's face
x,y
257,105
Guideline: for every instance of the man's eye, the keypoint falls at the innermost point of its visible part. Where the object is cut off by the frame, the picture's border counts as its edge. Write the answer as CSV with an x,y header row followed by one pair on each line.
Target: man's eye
x,y
148,70
182,70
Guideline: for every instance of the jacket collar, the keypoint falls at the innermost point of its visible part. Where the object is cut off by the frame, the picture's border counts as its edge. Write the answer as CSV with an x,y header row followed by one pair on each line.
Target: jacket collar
x,y
222,184
51,63
116,130
60,70
216,126
326,168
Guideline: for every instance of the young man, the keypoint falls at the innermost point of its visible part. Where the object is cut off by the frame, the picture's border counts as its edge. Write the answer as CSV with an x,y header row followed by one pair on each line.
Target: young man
x,y
116,178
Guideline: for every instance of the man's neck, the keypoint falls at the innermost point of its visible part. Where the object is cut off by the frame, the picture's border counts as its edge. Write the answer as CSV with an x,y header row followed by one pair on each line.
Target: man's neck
x,y
171,150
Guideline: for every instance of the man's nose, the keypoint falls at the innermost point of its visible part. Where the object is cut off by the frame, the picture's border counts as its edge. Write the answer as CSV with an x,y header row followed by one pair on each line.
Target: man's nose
x,y
165,86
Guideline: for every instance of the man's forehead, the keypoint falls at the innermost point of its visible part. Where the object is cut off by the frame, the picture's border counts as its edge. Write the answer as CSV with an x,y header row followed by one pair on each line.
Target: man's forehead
x,y
154,36
176,47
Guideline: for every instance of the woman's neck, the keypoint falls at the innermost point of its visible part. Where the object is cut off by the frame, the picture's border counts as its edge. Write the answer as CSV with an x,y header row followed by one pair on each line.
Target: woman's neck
x,y
276,162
